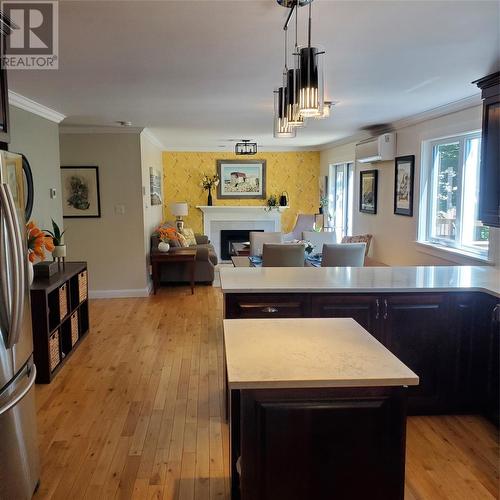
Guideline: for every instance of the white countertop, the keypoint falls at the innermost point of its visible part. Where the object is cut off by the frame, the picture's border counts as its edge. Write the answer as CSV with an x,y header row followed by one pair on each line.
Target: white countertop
x,y
305,353
361,279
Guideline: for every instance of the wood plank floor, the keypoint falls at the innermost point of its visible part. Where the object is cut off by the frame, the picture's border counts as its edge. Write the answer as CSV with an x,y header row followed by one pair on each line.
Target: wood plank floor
x,y
137,413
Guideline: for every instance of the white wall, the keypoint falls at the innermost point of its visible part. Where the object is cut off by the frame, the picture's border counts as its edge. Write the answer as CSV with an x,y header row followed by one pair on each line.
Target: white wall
x,y
113,245
395,236
151,156
38,139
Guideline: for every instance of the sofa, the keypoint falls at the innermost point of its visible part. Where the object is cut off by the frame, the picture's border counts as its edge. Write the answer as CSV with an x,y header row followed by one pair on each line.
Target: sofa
x,y
206,260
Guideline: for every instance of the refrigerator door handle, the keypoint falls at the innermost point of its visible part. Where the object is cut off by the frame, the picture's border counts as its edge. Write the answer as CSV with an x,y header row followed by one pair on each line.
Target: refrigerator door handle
x,y
15,247
13,402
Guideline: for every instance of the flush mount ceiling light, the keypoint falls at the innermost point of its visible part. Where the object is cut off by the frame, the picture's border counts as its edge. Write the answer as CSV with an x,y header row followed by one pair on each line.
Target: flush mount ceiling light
x,y
245,147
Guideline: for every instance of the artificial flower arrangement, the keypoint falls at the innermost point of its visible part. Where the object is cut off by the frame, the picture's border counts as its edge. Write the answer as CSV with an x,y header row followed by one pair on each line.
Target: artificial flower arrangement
x,y
38,242
166,234
208,182
308,246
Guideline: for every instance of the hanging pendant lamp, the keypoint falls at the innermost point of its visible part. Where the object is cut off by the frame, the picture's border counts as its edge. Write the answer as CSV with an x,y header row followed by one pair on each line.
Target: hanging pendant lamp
x,y
282,130
311,91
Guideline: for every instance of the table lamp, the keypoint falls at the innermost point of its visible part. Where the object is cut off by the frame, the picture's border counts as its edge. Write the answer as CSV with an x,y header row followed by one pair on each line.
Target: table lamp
x,y
179,209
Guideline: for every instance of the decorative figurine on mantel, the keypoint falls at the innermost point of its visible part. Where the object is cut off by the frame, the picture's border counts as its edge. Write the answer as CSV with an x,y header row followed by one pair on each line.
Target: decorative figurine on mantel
x,y
208,183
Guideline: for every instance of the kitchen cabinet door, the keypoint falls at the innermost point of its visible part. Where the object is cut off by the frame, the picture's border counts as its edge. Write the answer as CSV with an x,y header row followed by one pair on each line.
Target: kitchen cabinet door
x,y
365,309
416,331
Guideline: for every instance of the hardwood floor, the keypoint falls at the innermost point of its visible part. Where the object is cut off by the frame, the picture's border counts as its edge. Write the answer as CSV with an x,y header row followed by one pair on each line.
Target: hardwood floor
x,y
137,413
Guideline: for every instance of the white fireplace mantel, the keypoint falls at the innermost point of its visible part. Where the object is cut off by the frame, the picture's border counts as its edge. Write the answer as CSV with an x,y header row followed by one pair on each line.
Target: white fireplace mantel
x,y
220,217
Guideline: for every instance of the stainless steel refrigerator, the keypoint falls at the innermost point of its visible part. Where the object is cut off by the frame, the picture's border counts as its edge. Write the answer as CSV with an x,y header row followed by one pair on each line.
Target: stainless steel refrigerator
x,y
19,462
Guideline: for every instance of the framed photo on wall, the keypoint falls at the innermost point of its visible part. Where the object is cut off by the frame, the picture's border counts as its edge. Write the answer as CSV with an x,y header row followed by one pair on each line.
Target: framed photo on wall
x,y
241,179
368,191
403,185
155,186
80,192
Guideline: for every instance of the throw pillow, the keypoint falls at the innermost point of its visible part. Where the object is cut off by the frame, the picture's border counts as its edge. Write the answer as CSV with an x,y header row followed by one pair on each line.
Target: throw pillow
x,y
188,233
184,243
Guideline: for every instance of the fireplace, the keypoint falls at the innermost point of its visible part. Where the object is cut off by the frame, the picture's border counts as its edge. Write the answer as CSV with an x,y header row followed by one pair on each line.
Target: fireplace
x,y
229,236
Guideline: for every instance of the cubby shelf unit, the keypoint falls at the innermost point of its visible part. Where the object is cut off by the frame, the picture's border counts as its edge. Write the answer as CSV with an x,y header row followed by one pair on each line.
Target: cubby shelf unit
x,y
60,317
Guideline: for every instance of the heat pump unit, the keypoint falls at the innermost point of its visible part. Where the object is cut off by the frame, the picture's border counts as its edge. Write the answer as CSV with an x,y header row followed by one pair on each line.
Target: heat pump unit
x,y
380,148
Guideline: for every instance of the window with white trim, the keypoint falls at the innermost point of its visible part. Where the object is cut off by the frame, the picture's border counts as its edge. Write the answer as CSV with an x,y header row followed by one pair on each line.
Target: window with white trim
x,y
450,194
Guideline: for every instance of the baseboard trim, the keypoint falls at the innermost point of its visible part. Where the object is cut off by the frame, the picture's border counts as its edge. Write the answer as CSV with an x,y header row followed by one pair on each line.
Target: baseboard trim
x,y
119,294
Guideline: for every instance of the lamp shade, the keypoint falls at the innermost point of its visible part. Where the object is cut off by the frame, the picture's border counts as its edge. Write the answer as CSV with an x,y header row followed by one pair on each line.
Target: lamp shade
x,y
179,209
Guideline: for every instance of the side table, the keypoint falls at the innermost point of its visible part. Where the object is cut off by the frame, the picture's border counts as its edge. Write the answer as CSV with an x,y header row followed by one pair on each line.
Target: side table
x,y
173,256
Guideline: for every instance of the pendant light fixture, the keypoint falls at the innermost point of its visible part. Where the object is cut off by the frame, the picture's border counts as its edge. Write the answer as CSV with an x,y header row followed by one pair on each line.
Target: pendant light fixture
x,y
295,118
245,147
282,129
311,92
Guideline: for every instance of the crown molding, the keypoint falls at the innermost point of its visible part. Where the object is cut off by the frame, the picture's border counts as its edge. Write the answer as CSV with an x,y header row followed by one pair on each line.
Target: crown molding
x,y
21,102
229,149
153,139
96,129
430,114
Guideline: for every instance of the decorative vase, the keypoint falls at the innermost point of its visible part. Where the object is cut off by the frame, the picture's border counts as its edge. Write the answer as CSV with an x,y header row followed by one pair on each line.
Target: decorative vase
x,y
209,201
163,246
284,199
59,251
31,273
320,210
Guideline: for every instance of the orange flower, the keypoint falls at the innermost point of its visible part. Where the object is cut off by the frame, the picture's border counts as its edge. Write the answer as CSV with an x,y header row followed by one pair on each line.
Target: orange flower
x,y
38,242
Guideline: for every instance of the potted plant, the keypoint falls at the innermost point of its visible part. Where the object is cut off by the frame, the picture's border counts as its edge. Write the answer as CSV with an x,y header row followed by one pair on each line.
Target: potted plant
x,y
272,203
208,183
57,238
323,203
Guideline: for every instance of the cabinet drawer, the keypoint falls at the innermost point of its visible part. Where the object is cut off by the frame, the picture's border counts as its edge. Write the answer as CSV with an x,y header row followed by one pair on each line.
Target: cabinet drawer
x,y
266,306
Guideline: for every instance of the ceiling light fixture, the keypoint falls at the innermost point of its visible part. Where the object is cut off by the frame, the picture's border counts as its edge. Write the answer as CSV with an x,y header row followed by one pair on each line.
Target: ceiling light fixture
x,y
302,93
245,147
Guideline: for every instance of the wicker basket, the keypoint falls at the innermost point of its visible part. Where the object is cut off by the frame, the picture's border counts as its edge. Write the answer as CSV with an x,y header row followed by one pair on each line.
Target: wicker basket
x,y
54,353
82,285
74,328
63,301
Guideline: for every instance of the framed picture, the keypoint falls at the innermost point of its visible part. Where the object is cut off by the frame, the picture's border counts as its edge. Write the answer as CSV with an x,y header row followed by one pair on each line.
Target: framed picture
x,y
80,192
368,191
155,186
240,179
403,185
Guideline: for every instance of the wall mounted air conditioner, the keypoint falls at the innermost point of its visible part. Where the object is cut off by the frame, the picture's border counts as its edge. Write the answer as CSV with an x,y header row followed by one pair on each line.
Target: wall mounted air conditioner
x,y
380,148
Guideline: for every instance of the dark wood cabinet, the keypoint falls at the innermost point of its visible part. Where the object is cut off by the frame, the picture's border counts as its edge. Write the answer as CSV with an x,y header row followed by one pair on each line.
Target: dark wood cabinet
x,y
318,443
415,330
489,190
270,305
365,309
450,340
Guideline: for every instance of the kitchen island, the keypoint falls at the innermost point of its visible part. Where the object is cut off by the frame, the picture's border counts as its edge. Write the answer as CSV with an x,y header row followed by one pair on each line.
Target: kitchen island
x,y
315,405
441,321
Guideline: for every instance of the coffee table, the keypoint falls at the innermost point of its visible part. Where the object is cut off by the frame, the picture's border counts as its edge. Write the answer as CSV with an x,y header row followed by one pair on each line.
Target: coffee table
x,y
173,256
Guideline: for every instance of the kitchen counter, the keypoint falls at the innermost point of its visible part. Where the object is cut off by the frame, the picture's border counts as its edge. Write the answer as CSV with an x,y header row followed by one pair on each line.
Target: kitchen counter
x,y
361,279
305,353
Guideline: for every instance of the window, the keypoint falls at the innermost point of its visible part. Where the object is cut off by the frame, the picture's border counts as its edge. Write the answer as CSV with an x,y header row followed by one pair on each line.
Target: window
x,y
340,200
450,195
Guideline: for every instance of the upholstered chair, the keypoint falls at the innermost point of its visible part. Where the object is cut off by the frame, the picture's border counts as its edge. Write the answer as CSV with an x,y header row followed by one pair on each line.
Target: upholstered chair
x,y
304,222
344,255
258,238
283,255
360,238
318,239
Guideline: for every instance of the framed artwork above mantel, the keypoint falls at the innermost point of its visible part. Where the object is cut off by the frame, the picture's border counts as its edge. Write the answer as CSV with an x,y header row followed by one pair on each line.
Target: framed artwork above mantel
x,y
241,179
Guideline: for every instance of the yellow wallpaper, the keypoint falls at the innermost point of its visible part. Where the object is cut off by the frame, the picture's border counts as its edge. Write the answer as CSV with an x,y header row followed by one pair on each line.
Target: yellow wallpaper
x,y
294,172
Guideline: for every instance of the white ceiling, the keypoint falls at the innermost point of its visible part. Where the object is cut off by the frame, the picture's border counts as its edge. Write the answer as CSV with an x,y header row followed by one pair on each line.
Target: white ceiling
x,y
198,73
